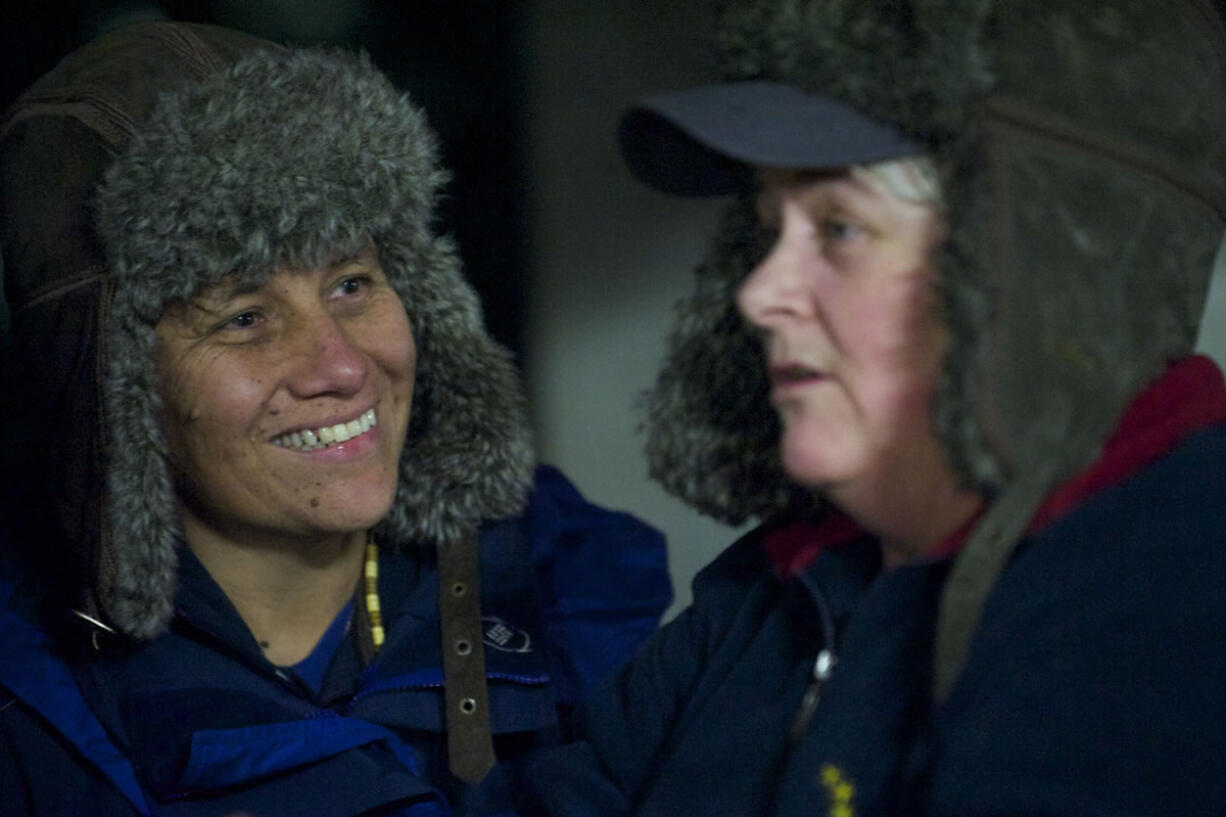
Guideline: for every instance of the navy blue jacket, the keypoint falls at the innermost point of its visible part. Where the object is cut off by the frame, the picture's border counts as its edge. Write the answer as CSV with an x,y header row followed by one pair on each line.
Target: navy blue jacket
x,y
1095,685
198,722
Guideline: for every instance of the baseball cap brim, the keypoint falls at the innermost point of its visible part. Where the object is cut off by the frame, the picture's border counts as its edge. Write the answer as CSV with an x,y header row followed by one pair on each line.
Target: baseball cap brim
x,y
705,141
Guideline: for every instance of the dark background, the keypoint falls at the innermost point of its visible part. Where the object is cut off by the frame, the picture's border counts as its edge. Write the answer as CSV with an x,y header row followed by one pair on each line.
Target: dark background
x,y
460,60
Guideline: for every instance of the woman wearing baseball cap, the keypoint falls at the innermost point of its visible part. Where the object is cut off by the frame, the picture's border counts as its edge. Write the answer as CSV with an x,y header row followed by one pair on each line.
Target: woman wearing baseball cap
x,y
941,350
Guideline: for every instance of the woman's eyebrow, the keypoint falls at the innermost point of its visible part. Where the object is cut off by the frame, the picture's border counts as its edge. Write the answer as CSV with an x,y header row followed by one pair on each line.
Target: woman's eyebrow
x,y
214,298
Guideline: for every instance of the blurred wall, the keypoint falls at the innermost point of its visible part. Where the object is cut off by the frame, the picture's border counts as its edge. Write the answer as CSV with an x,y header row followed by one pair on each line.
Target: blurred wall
x,y
609,257
1212,339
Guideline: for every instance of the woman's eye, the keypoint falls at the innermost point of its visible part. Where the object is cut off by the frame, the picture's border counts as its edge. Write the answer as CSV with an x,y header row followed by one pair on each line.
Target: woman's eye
x,y
243,320
353,285
839,230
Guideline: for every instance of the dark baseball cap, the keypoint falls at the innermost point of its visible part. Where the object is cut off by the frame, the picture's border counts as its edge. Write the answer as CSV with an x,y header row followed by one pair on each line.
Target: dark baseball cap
x,y
705,141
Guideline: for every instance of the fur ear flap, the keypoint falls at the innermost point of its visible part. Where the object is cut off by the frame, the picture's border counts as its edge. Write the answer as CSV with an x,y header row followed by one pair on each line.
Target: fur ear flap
x,y
711,432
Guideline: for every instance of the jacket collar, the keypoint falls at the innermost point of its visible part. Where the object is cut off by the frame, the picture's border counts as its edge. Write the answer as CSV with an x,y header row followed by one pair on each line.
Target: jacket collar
x,y
1189,397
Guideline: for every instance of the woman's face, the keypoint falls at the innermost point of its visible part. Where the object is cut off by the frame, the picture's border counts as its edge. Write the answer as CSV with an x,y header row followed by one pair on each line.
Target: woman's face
x,y
287,406
845,303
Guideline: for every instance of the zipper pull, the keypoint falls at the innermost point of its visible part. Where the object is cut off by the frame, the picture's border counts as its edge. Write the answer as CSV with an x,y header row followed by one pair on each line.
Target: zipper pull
x,y
822,668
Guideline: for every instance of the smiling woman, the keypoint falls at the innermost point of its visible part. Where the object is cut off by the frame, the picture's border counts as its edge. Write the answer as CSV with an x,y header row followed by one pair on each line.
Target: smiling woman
x,y
287,408
293,498
311,353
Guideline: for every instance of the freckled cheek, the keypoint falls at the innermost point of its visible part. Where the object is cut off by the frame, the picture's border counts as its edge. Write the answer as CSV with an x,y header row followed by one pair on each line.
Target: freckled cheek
x,y
399,360
231,408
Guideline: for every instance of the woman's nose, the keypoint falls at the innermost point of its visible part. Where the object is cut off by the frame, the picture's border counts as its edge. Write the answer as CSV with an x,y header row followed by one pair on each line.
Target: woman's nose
x,y
326,360
774,289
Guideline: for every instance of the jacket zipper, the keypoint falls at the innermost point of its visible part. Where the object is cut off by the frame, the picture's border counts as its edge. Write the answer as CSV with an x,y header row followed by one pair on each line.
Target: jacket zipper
x,y
823,667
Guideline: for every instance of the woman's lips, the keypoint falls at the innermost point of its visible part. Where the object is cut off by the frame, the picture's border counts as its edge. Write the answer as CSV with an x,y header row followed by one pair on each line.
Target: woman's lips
x,y
795,374
328,435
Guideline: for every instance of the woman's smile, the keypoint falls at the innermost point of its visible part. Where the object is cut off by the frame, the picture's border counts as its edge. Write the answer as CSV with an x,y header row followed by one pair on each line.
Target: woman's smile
x,y
329,435
288,404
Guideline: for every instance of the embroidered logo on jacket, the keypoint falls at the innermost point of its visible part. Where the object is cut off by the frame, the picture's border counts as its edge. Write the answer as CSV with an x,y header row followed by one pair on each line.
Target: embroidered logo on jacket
x,y
840,791
501,635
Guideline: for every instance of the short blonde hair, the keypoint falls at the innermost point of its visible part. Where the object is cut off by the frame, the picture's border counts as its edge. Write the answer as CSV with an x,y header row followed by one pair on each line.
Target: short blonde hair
x,y
913,179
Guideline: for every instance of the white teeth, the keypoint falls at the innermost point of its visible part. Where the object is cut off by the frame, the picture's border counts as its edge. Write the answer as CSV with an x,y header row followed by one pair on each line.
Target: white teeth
x,y
307,440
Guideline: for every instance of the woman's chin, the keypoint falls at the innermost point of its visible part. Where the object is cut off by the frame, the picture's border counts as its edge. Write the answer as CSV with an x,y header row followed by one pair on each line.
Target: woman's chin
x,y
814,463
348,519
346,511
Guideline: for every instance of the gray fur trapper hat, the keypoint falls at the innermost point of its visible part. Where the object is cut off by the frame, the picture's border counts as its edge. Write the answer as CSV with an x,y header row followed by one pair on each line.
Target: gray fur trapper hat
x,y
232,158
1084,180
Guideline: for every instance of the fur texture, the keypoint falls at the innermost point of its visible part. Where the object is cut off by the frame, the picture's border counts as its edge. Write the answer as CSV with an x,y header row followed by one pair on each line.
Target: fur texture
x,y
275,162
1085,203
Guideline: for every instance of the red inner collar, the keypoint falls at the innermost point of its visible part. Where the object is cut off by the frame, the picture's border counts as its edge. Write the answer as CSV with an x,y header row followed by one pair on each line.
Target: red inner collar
x,y
1188,397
